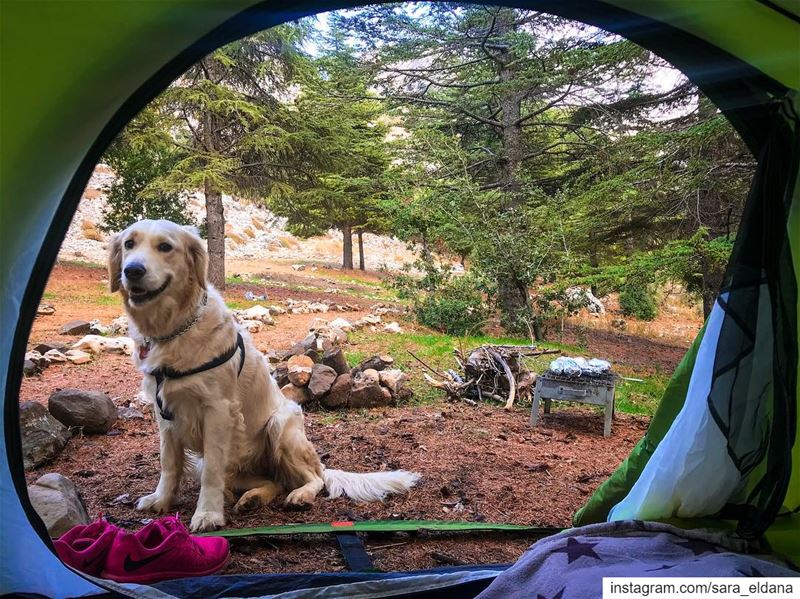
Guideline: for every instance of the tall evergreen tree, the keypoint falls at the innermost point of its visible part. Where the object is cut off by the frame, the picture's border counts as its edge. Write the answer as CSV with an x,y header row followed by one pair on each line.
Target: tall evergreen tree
x,y
344,192
228,114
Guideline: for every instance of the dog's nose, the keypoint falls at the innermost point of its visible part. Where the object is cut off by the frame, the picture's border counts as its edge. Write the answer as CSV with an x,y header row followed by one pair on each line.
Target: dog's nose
x,y
134,271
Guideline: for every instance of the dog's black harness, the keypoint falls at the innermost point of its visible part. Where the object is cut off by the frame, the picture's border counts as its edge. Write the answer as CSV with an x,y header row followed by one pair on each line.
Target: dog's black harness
x,y
165,372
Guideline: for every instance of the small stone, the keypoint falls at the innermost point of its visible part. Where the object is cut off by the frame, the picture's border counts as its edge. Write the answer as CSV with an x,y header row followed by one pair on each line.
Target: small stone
x,y
299,370
43,437
98,328
298,267
30,368
124,499
55,356
394,380
259,313
322,378
91,411
276,310
76,327
342,324
281,373
339,393
38,359
45,347
297,394
375,363
129,414
77,356
317,324
119,326
58,503
392,327
45,310
369,376
252,326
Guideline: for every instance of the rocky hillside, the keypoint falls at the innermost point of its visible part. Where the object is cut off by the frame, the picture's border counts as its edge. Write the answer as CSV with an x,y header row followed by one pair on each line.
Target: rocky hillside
x,y
251,233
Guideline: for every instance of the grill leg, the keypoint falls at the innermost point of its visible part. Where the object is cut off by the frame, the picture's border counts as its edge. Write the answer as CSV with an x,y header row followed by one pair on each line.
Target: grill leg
x,y
535,408
609,415
547,403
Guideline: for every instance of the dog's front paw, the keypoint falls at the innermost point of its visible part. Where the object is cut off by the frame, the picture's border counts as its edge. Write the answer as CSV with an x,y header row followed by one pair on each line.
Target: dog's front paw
x,y
203,521
301,497
154,502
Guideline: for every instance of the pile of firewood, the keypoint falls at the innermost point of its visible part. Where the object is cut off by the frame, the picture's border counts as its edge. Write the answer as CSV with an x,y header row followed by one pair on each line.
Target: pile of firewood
x,y
489,372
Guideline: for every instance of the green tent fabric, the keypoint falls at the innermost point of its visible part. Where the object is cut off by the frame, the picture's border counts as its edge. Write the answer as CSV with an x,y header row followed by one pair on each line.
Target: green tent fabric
x,y
73,73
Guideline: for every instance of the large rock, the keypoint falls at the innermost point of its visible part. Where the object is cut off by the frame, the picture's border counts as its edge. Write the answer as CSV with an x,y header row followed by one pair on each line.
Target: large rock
x,y
299,370
43,437
58,503
322,378
369,396
334,358
76,327
297,394
92,411
339,394
394,380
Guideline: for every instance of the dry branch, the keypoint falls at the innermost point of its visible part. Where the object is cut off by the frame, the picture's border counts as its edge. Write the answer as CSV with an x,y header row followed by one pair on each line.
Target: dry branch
x,y
488,372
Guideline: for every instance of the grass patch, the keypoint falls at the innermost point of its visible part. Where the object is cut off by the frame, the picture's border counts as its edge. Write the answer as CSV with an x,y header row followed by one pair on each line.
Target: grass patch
x,y
330,418
436,350
633,397
82,264
102,297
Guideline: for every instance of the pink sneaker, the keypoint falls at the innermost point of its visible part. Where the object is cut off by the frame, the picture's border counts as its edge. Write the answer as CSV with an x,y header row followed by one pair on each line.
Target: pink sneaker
x,y
162,550
85,547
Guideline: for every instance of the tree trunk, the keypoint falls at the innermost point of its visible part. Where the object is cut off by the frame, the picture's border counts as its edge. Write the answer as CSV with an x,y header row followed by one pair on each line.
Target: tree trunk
x,y
347,247
361,263
215,231
215,213
517,315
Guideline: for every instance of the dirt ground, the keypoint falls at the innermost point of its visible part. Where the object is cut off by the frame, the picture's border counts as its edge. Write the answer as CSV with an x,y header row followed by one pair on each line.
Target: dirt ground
x,y
477,464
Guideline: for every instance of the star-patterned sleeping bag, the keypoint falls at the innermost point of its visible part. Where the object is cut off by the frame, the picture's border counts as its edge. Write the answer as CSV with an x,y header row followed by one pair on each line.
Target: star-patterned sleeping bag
x,y
572,564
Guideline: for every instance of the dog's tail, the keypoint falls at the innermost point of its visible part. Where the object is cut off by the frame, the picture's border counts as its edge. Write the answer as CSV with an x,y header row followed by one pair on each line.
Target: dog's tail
x,y
368,486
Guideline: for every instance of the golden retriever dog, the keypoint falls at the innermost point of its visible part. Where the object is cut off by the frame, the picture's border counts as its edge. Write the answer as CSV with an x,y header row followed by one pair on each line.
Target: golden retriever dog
x,y
218,409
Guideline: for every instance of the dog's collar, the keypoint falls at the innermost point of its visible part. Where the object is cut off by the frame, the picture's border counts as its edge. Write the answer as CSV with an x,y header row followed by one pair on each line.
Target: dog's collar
x,y
147,342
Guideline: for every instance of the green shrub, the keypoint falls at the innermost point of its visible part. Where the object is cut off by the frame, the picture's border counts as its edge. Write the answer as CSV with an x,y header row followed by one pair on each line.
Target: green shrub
x,y
637,299
456,307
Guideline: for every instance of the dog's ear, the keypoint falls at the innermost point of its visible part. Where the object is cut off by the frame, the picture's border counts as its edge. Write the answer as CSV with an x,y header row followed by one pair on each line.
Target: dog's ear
x,y
197,255
115,262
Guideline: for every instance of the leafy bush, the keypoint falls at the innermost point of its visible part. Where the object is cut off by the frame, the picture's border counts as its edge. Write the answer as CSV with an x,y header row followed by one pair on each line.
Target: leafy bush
x,y
442,301
637,299
456,307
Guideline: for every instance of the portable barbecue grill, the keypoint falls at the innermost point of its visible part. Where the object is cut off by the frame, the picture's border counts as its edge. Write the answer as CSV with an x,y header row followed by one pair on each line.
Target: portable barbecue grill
x,y
597,390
